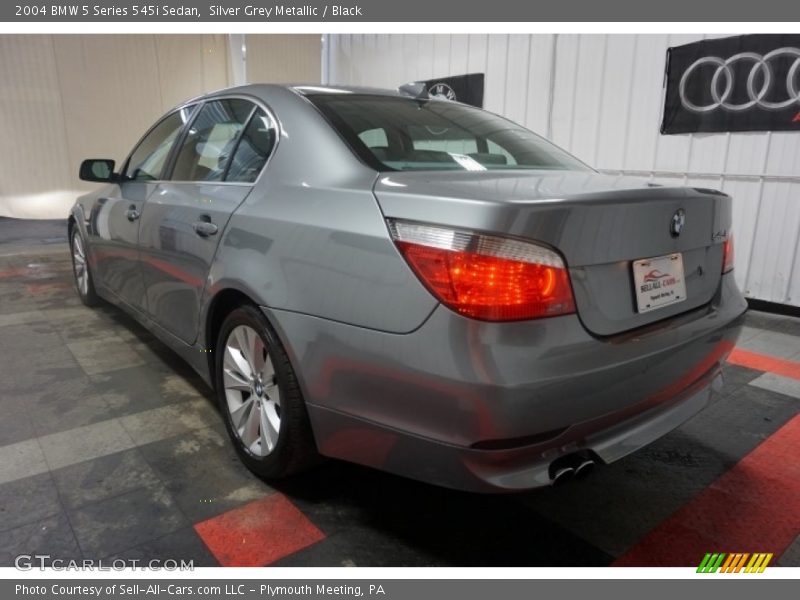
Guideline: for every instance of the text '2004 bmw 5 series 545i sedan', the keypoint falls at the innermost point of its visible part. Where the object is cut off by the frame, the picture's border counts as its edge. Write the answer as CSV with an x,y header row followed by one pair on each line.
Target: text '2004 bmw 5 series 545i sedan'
x,y
411,284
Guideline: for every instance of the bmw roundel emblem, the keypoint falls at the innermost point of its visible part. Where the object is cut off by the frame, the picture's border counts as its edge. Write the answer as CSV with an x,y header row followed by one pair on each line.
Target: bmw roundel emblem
x,y
678,221
442,91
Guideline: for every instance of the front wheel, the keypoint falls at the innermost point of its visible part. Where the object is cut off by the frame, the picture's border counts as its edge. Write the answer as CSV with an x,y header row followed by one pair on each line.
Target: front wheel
x,y
80,269
259,397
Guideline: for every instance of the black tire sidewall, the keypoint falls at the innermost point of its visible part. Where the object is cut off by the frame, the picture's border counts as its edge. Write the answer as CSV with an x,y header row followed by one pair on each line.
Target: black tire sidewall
x,y
281,461
90,298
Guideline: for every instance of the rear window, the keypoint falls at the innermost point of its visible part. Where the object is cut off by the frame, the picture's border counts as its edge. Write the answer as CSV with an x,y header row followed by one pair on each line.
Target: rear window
x,y
394,133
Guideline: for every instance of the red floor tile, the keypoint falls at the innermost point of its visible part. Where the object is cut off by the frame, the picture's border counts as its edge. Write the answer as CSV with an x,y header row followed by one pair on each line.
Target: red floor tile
x,y
754,507
762,362
258,533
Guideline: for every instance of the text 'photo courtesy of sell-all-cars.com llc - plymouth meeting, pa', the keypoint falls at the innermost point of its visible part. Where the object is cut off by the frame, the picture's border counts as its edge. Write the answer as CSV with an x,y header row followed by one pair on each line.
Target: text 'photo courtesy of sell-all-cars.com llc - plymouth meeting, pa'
x,y
412,284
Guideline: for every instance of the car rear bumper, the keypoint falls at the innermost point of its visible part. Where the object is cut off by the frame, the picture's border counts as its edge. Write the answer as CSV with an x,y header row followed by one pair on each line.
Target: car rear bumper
x,y
490,406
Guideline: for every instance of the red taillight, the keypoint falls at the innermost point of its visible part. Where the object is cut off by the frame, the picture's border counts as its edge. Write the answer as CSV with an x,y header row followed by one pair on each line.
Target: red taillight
x,y
486,277
727,255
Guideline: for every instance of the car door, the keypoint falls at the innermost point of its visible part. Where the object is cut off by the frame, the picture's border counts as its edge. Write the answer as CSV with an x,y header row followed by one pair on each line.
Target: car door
x,y
213,170
115,217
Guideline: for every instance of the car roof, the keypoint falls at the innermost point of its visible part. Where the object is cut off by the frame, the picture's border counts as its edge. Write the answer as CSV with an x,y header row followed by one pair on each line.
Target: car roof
x,y
265,90
341,89
305,89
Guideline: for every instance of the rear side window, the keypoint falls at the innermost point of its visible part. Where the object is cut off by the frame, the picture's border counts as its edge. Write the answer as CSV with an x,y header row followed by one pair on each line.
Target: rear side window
x,y
211,140
374,138
148,159
253,149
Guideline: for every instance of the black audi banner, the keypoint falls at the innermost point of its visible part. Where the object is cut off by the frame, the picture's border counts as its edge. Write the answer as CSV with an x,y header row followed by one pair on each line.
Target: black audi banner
x,y
461,88
742,83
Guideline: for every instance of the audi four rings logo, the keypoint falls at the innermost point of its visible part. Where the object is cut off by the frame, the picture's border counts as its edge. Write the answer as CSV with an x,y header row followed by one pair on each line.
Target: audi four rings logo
x,y
722,82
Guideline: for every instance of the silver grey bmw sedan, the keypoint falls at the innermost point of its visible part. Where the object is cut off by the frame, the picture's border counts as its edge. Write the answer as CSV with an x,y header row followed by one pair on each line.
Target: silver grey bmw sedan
x,y
411,284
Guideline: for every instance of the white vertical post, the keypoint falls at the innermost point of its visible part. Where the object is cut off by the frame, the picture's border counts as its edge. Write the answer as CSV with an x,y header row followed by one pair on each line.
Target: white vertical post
x,y
552,86
237,53
326,59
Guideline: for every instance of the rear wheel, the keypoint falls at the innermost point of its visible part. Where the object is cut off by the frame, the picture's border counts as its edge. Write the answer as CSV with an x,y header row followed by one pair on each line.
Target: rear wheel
x,y
80,268
259,397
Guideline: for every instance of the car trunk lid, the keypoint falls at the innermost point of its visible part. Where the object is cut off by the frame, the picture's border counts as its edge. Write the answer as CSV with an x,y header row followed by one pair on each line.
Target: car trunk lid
x,y
601,225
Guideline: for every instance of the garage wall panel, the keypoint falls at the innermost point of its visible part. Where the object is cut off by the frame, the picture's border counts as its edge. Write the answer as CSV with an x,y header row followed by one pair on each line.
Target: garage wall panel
x,y
615,97
601,97
646,77
593,66
540,84
747,194
747,154
673,152
783,154
441,55
424,58
459,53
565,82
31,119
190,64
477,47
284,58
67,97
515,105
104,114
497,85
774,248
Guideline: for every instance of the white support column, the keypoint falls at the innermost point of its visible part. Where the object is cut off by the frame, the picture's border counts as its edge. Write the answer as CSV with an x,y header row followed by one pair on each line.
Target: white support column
x,y
326,59
237,53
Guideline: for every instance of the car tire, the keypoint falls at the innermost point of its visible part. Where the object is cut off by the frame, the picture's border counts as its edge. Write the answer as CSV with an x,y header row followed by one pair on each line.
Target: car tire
x,y
252,403
84,284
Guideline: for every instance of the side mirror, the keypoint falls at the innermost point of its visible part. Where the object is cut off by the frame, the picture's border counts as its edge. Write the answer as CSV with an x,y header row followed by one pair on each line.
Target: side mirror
x,y
98,169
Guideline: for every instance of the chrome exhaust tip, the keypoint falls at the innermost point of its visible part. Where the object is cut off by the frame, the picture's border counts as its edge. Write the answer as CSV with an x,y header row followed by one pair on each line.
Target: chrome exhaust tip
x,y
584,468
563,475
571,466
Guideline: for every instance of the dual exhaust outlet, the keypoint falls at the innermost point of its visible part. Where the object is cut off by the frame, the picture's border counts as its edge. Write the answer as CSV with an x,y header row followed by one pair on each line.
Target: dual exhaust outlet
x,y
572,466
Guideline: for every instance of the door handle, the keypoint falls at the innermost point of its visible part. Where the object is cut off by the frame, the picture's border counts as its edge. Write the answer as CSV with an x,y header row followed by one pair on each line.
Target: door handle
x,y
132,213
204,227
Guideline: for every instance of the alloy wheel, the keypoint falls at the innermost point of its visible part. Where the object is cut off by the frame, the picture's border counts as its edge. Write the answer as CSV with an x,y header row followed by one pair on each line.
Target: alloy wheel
x,y
251,390
79,262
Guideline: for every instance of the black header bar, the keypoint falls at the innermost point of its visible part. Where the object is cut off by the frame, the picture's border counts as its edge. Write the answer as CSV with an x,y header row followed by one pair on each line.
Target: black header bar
x,y
443,11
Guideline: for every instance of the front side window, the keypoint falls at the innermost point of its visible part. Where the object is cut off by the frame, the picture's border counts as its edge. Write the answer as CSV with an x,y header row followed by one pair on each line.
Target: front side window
x,y
211,141
149,158
436,134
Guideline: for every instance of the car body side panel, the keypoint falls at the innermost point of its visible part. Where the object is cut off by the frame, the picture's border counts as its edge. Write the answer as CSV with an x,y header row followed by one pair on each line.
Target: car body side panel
x,y
311,238
462,382
175,259
421,404
82,215
508,470
113,239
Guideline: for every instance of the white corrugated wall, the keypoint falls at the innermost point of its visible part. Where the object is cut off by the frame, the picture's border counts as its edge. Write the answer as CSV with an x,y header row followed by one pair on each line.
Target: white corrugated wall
x,y
600,97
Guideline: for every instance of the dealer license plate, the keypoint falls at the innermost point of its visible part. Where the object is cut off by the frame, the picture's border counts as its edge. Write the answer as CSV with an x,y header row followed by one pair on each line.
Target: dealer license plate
x,y
659,282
